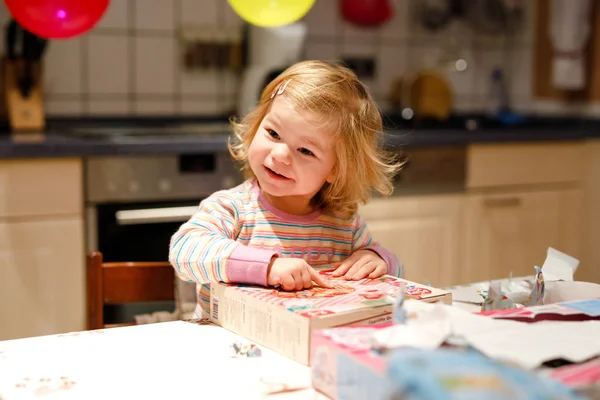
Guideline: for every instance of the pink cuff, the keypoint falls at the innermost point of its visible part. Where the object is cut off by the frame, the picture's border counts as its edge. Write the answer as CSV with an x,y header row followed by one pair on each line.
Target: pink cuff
x,y
249,265
394,266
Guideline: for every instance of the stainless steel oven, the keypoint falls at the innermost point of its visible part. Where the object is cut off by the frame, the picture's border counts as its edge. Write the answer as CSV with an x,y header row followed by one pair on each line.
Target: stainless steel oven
x,y
134,204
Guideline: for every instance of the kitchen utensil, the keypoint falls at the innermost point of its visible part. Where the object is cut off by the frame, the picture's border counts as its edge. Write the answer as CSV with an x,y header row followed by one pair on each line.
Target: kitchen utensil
x,y
492,16
435,14
424,94
31,50
570,28
22,77
366,13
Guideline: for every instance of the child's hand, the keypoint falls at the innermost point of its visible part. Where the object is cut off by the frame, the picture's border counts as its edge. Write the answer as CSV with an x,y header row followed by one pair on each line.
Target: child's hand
x,y
293,274
362,264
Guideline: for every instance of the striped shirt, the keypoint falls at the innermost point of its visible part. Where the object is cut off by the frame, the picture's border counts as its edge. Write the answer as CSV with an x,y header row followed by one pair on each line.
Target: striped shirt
x,y
236,232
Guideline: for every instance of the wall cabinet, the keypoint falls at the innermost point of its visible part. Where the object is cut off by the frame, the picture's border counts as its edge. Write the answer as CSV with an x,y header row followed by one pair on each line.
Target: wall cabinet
x,y
42,259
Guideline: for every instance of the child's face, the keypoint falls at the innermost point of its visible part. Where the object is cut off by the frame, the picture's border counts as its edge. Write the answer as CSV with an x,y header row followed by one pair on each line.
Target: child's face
x,y
292,152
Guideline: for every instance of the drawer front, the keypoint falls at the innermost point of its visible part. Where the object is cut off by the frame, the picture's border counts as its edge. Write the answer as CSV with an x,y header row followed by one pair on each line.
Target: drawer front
x,y
492,165
40,187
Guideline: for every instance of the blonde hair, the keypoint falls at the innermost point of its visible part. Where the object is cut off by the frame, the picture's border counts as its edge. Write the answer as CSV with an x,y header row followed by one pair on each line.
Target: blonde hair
x,y
335,93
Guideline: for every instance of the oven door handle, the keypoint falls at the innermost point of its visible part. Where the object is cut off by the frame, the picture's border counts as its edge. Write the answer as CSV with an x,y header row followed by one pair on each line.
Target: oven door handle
x,y
155,215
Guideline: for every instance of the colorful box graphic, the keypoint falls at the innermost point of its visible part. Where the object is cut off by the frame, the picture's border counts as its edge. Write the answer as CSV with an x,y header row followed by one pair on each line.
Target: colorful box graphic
x,y
283,321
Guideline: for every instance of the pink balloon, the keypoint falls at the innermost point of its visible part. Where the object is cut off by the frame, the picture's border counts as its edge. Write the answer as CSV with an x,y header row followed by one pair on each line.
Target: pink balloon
x,y
57,19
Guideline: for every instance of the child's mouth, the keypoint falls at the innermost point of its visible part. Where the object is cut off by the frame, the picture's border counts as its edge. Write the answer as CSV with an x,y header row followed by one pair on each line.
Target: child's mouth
x,y
275,174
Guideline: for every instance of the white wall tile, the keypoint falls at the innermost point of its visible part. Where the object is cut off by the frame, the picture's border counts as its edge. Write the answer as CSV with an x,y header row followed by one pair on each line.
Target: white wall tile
x,y
205,12
352,34
156,107
201,107
154,14
482,65
109,107
201,83
314,50
228,103
397,26
116,16
155,65
108,63
391,65
519,73
60,108
322,19
230,81
230,18
354,49
524,31
401,45
62,67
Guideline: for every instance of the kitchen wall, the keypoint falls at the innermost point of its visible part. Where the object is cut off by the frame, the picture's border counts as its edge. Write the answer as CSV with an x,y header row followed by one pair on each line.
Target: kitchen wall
x,y
130,64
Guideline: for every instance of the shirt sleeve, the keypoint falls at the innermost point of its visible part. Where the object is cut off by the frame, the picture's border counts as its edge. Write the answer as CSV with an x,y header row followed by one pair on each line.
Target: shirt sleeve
x,y
362,240
204,249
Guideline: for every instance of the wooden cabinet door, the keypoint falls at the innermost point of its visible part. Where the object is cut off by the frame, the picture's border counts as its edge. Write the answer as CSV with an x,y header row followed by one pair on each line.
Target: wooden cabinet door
x,y
423,232
511,232
41,277
589,270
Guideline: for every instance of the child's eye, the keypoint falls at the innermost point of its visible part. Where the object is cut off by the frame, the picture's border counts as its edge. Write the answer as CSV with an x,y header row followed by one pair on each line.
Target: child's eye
x,y
306,151
273,134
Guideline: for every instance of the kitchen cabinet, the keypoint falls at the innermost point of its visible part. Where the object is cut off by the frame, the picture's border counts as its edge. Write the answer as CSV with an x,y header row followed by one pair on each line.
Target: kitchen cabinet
x,y
521,199
423,232
511,231
41,247
41,277
589,269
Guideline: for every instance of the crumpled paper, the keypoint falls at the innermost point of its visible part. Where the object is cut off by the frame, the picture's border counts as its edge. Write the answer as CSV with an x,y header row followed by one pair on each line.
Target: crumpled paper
x,y
558,268
529,345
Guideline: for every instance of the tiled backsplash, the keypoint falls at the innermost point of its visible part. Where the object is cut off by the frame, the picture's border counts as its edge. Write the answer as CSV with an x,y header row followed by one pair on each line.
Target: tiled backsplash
x,y
130,63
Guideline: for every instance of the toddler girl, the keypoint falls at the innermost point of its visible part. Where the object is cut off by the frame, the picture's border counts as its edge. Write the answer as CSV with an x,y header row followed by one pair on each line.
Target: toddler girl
x,y
311,151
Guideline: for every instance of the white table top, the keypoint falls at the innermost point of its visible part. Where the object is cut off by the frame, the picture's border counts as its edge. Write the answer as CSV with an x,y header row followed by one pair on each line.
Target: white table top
x,y
171,360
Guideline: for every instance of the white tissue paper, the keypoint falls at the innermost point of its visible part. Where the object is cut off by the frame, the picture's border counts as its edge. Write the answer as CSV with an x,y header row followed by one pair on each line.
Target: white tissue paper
x,y
528,345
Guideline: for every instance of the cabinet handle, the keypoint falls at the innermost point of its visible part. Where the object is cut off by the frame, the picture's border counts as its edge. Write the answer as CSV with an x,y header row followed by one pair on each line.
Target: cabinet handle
x,y
155,215
502,202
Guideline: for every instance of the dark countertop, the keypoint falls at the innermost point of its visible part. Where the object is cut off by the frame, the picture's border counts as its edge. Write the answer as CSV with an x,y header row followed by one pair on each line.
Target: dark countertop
x,y
59,140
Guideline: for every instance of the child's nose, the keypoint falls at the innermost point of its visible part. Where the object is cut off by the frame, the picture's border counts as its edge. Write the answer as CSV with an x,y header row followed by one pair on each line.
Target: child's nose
x,y
281,153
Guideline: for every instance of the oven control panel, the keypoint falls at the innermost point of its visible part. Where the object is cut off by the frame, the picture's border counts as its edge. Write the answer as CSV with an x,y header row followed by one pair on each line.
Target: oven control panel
x,y
159,178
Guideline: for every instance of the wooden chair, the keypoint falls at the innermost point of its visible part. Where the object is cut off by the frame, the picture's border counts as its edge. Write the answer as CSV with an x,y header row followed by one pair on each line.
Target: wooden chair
x,y
124,282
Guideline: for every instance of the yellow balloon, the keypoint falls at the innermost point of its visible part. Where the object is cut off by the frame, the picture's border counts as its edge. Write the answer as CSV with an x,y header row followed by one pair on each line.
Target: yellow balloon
x,y
271,13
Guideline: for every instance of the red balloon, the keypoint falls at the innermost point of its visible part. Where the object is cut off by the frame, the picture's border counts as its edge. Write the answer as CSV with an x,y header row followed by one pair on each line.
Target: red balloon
x,y
57,19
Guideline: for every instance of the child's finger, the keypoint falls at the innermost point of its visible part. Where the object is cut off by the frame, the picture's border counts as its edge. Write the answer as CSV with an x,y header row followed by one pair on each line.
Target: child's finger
x,y
318,278
364,271
379,271
343,267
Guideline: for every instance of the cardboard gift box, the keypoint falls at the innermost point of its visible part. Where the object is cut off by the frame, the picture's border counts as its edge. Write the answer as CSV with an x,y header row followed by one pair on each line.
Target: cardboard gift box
x,y
345,365
283,321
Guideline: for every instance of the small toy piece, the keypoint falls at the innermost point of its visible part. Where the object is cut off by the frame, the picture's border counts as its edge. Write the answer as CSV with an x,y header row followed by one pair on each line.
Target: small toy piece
x,y
536,298
245,349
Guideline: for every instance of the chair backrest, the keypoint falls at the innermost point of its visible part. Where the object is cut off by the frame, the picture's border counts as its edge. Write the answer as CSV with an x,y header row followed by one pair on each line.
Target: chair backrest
x,y
124,282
